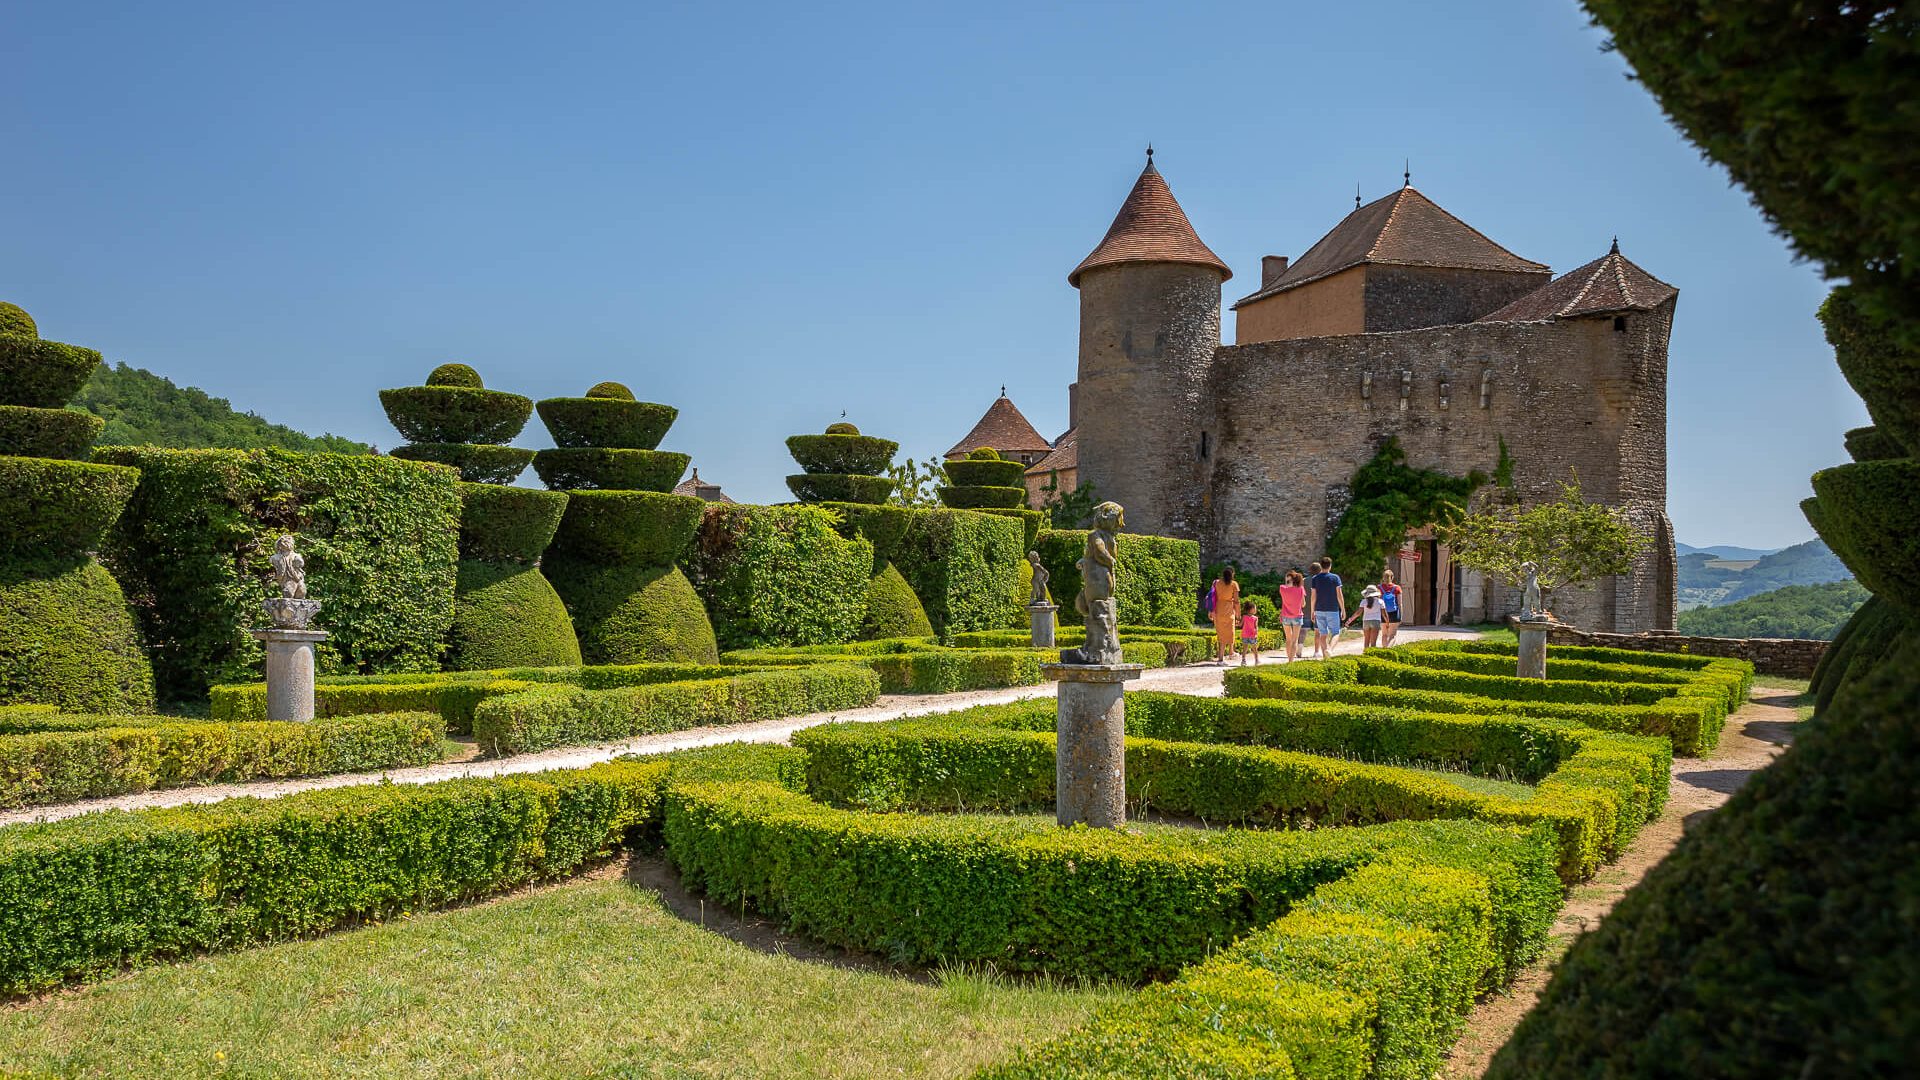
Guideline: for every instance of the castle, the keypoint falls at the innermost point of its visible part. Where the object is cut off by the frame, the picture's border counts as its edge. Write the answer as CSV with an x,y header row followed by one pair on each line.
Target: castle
x,y
1403,321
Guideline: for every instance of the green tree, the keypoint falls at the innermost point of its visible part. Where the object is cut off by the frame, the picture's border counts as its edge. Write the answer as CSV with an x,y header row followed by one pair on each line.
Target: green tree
x,y
1795,611
1570,541
1068,509
144,409
915,485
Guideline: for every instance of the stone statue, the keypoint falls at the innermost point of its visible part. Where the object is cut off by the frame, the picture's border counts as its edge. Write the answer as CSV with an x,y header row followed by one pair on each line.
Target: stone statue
x,y
289,569
1096,601
1530,604
1040,577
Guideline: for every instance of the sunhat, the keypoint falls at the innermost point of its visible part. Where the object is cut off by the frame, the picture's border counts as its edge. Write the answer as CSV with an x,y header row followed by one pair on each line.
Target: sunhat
x,y
1371,590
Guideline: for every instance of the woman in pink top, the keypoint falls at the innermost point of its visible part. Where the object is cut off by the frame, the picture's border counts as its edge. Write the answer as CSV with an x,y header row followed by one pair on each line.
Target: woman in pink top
x,y
1293,611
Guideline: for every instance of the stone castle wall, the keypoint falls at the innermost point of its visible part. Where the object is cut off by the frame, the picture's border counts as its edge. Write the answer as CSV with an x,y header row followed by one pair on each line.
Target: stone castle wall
x,y
1792,658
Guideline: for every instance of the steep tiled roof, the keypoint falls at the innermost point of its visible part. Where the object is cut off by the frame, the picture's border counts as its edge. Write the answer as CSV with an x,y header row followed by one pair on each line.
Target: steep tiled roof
x,y
1004,429
700,489
1403,229
1150,227
1065,456
1608,284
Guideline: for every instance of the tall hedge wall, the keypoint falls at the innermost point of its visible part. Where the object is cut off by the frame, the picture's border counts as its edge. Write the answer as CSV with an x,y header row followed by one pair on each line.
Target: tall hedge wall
x,y
779,575
1156,579
964,566
380,537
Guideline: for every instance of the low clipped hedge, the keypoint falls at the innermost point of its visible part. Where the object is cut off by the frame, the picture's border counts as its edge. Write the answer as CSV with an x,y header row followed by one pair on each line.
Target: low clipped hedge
x,y
838,487
507,614
47,433
68,639
478,463
1600,791
1733,677
633,614
1869,514
85,763
456,414
1692,724
999,474
915,666
540,717
508,523
42,374
621,424
637,528
862,455
981,498
604,468
1156,578
51,507
93,894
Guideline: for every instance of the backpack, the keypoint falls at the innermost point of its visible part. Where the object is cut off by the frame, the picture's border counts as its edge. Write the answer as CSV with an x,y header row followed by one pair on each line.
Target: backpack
x,y
1210,591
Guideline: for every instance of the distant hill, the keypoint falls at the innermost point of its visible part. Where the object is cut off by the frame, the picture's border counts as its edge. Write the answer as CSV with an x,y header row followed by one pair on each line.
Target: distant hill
x,y
1796,611
144,409
1726,551
1708,580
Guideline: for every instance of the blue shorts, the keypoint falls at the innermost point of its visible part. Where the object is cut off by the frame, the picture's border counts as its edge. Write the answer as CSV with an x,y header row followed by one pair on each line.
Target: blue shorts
x,y
1295,620
1327,622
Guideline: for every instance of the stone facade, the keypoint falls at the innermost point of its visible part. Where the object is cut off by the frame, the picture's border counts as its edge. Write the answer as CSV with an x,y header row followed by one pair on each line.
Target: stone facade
x,y
1793,658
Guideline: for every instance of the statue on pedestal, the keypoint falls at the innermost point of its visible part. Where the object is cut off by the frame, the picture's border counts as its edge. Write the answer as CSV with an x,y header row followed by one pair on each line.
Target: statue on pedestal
x,y
1040,577
1096,602
1531,606
289,570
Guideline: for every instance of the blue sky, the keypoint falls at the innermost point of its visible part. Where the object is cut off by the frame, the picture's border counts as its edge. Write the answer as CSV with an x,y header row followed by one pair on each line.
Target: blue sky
x,y
768,214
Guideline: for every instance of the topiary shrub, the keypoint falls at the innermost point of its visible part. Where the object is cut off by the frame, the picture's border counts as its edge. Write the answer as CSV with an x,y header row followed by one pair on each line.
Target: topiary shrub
x,y
638,528
455,375
478,463
613,390
380,538
842,454
828,487
983,453
15,320
840,428
455,414
1872,444
47,433
67,638
508,615
58,507
1880,370
978,498
1871,511
510,524
42,374
601,468
617,423
995,473
963,566
1032,521
634,614
779,575
892,609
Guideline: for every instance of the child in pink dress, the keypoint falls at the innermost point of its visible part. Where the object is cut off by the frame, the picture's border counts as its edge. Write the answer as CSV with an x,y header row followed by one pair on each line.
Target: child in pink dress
x,y
1249,633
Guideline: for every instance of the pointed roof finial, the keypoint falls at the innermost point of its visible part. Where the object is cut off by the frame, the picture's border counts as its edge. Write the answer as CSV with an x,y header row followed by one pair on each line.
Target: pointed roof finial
x,y
1356,195
1406,172
1003,389
1149,153
1616,246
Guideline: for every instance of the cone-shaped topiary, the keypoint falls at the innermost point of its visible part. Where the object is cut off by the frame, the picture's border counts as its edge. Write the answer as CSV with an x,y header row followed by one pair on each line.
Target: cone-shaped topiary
x,y
893,611
508,615
455,375
508,524
40,373
455,414
614,423
635,614
47,433
841,465
68,639
15,320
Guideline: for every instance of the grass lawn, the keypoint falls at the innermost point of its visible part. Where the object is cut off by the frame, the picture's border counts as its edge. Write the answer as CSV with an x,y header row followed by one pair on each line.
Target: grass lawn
x,y
591,977
1802,699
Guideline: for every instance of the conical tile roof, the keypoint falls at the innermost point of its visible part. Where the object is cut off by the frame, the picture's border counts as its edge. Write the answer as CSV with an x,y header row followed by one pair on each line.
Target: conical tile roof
x,y
1005,429
1608,284
1403,229
1150,227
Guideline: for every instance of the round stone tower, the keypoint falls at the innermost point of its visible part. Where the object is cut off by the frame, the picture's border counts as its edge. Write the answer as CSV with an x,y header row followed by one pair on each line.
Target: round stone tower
x,y
1149,325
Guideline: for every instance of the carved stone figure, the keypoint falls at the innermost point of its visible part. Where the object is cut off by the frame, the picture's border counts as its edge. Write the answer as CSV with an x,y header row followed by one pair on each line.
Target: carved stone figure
x,y
1530,603
289,569
1096,601
1040,577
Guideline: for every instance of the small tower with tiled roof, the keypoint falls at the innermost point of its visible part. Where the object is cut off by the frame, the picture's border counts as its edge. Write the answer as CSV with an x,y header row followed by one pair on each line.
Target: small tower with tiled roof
x,y
1149,325
1397,263
1610,285
1006,429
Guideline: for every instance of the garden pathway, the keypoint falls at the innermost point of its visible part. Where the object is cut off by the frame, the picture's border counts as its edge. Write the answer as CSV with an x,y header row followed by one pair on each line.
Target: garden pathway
x,y
1753,737
1201,679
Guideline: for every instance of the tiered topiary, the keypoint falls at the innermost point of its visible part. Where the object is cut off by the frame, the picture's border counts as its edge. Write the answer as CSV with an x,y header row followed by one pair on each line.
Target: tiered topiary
x,y
841,466
505,612
66,635
614,559
984,481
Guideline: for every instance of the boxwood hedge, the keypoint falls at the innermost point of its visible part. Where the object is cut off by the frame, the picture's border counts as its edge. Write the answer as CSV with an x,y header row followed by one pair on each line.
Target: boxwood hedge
x,y
917,666
779,575
622,424
892,609
1156,579
477,463
68,639
508,523
837,487
506,614
963,566
456,414
856,454
1869,511
379,536
982,498
634,528
42,374
604,468
47,433
50,507
633,613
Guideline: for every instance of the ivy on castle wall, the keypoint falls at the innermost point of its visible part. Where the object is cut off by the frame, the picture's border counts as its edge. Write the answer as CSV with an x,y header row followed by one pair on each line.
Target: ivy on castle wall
x,y
1390,498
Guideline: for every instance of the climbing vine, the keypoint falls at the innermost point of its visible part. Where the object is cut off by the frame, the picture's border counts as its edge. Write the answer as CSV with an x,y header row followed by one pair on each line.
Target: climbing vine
x,y
1390,498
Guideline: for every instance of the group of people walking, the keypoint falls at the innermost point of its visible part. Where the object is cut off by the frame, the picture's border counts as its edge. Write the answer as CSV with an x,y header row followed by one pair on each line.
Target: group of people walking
x,y
1316,598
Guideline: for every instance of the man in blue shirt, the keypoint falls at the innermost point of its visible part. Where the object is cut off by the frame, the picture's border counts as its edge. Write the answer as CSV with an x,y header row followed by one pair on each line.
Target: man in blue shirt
x,y
1327,605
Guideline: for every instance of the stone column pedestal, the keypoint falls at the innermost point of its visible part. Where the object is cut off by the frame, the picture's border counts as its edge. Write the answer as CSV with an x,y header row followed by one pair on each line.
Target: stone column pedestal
x,y
1533,647
289,671
1041,617
1090,770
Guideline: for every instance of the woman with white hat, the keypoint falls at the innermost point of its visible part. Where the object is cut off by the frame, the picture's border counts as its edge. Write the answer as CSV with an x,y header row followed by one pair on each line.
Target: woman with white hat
x,y
1371,610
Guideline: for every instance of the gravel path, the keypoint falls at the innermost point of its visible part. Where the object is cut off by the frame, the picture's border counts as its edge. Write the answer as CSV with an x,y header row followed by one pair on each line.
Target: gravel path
x,y
1200,679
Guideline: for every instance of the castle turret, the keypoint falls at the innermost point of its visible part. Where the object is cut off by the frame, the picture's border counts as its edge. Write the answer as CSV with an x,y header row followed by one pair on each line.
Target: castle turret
x,y
1149,325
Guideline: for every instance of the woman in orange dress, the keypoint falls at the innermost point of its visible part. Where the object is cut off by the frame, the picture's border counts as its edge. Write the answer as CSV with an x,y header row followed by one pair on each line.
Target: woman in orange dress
x,y
1226,603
